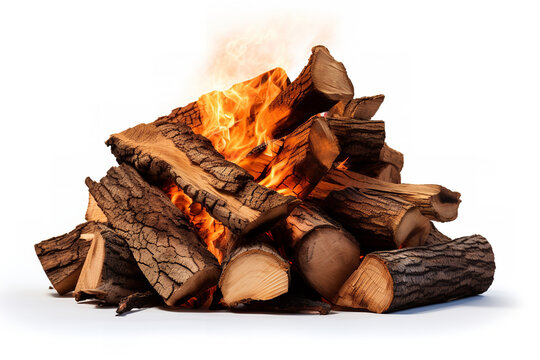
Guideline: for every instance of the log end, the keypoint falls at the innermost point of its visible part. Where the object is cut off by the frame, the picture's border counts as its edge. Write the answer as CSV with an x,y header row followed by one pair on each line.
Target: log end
x,y
413,229
330,76
445,205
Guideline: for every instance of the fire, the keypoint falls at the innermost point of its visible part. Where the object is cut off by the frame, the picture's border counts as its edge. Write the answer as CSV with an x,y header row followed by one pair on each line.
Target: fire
x,y
342,165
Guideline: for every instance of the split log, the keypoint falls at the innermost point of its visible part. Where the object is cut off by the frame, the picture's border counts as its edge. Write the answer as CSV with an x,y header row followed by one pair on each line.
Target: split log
x,y
325,253
307,154
434,201
259,157
62,257
165,152
253,270
363,108
322,83
93,212
378,220
387,281
168,252
110,272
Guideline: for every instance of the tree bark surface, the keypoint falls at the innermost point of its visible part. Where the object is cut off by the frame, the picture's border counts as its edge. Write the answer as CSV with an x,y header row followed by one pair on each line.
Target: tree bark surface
x,y
363,108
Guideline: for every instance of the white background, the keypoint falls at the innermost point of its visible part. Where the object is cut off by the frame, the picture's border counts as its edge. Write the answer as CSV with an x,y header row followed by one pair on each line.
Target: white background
x,y
461,81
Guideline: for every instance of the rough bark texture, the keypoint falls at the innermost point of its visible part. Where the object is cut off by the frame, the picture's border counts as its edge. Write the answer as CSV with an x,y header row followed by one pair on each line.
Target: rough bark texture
x,y
170,255
434,201
325,253
436,237
387,168
165,152
393,280
360,141
138,300
110,272
62,257
307,154
363,108
379,221
321,84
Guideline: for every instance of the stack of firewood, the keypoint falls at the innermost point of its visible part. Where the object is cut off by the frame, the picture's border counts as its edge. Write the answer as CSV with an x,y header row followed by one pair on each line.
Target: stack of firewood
x,y
313,215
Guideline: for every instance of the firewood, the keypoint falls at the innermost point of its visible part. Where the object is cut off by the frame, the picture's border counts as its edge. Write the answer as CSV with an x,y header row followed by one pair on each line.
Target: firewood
x,y
138,300
110,272
378,220
387,168
167,152
307,154
168,252
387,281
259,157
325,253
363,108
62,257
253,270
322,83
93,212
436,237
434,201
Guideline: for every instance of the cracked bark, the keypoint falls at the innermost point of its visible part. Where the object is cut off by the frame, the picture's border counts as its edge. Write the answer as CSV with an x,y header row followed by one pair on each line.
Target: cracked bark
x,y
171,256
387,281
363,108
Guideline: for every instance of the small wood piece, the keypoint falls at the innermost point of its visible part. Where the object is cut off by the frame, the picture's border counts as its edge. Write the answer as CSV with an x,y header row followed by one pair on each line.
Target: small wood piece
x,y
165,152
171,256
138,300
307,154
387,281
387,168
378,220
363,108
434,201
321,84
325,253
93,212
110,272
62,257
253,270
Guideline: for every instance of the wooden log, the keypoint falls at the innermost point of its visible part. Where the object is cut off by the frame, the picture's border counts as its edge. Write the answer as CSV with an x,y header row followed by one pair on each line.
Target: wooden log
x,y
168,252
110,272
62,257
253,270
322,83
434,201
166,152
93,212
307,154
325,253
387,168
378,220
259,157
387,281
363,108
436,237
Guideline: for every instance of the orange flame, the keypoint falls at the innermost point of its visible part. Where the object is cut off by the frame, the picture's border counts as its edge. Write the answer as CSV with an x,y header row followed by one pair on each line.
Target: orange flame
x,y
342,165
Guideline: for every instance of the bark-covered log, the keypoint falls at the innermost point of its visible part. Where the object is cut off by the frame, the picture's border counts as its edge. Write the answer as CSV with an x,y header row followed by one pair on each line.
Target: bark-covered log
x,y
378,220
387,281
387,168
165,152
321,84
253,270
110,272
307,154
436,237
62,257
325,253
363,108
434,201
171,256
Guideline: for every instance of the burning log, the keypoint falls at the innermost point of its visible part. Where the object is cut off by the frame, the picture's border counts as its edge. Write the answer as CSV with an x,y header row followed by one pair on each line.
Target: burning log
x,y
170,255
387,281
325,254
62,257
110,272
253,270
260,156
363,108
434,201
167,152
307,154
378,220
322,83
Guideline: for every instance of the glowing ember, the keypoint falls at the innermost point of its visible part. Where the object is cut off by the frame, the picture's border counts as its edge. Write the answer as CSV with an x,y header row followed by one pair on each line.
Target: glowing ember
x,y
342,165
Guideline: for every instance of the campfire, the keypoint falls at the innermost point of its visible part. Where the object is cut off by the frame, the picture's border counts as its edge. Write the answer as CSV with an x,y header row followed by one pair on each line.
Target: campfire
x,y
272,196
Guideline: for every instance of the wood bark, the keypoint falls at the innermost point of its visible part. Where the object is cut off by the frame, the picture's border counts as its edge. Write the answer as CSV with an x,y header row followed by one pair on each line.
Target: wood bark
x,y
387,168
62,257
110,272
325,253
322,83
165,152
93,212
436,237
387,281
363,108
168,252
307,154
434,201
138,300
378,220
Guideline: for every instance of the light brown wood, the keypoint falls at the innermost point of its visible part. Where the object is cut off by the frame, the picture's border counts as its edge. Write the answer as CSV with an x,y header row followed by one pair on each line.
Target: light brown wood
x,y
93,212
363,108
259,157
